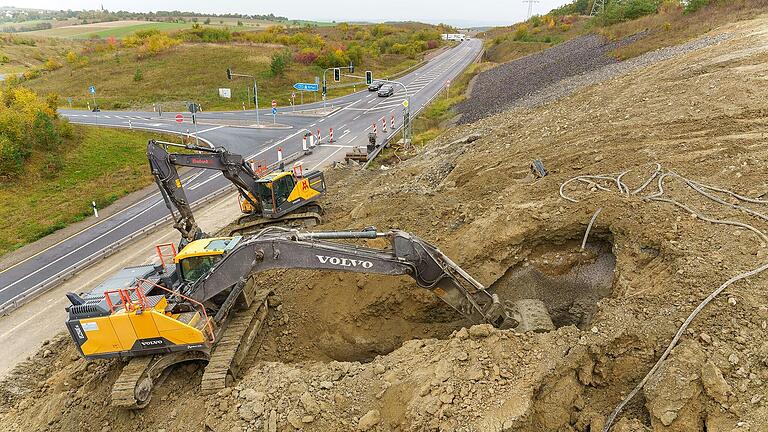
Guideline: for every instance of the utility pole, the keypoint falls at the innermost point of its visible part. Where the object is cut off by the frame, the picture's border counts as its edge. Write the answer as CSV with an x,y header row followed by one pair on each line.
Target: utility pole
x,y
530,6
597,7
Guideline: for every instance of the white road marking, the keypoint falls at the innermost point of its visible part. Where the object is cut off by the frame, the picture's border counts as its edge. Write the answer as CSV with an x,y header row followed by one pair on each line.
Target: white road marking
x,y
209,129
323,161
352,139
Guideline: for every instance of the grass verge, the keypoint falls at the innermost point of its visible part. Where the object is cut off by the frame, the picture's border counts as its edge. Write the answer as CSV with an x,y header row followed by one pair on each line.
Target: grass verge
x,y
100,164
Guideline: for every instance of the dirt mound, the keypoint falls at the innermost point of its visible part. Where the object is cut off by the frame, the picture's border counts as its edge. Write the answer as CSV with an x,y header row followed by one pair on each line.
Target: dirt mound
x,y
346,352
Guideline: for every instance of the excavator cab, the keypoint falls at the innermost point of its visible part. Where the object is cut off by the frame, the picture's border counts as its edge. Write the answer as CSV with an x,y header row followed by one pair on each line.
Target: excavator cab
x,y
280,193
199,256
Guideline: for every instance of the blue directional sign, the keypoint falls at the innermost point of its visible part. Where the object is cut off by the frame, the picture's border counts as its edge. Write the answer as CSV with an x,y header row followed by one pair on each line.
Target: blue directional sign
x,y
274,111
306,86
92,89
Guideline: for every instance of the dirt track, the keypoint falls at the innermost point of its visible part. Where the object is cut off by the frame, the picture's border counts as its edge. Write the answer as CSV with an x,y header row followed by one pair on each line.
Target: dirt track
x,y
327,359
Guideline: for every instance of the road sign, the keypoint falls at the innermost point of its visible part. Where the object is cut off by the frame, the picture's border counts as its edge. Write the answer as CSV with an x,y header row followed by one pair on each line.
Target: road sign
x,y
305,87
405,103
92,89
225,93
179,118
274,103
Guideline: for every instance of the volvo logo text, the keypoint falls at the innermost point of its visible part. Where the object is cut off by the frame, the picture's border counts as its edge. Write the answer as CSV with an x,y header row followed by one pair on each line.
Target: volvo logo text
x,y
344,262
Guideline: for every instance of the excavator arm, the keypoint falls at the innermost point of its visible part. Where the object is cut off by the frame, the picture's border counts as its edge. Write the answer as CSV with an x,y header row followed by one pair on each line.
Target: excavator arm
x,y
163,166
277,247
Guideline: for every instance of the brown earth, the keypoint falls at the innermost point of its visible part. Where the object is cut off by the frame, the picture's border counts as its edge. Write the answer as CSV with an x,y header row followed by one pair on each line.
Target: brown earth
x,y
348,352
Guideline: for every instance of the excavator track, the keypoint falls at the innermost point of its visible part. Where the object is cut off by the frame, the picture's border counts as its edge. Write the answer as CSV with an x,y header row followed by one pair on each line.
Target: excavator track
x,y
133,388
234,343
304,217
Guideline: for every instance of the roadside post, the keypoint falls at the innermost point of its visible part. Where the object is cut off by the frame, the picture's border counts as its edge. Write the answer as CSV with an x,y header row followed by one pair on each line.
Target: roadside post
x,y
69,101
293,101
92,91
447,89
194,108
280,158
95,210
274,111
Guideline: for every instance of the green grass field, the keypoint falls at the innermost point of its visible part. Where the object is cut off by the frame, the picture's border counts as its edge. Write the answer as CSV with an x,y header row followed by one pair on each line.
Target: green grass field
x,y
192,72
101,165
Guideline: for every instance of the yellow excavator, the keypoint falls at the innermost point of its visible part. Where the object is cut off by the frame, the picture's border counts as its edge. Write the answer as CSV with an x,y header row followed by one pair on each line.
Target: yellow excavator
x,y
288,198
201,303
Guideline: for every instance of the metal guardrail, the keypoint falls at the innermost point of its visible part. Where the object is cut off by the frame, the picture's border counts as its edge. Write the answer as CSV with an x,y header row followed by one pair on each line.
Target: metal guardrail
x,y
49,283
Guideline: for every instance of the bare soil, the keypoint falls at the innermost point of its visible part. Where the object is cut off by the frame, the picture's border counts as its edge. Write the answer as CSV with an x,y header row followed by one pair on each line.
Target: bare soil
x,y
349,352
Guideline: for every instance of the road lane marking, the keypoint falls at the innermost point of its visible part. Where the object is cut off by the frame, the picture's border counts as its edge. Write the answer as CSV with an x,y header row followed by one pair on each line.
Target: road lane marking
x,y
323,161
352,139
209,129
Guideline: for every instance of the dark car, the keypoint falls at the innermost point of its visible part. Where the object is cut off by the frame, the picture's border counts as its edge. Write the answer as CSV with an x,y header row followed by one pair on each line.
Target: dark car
x,y
386,90
375,85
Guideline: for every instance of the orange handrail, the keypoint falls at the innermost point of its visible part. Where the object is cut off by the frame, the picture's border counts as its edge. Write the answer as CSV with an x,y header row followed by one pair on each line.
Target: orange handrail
x,y
202,308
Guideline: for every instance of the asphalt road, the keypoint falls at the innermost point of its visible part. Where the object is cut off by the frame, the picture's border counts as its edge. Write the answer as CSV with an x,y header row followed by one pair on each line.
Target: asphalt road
x,y
351,120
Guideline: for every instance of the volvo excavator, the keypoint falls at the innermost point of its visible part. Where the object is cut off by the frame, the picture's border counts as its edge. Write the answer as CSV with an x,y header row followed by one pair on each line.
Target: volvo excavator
x,y
266,198
204,305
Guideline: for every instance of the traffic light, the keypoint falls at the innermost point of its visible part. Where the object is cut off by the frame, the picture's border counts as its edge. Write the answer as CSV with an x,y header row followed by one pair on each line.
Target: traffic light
x,y
229,73
336,74
368,77
351,68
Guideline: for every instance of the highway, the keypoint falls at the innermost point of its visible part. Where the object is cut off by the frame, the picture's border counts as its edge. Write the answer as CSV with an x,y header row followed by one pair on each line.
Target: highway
x,y
352,118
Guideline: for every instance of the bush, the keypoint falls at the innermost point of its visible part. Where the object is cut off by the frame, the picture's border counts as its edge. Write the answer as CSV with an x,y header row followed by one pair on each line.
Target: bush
x,y
31,74
138,75
306,56
205,34
694,5
625,10
157,44
521,32
278,63
51,65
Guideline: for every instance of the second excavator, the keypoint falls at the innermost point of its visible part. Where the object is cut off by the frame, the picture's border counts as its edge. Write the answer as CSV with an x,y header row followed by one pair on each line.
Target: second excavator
x,y
266,198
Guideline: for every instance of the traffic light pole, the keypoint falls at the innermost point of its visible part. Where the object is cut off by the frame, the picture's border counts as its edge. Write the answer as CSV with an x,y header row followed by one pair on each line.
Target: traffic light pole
x,y
407,129
325,83
231,74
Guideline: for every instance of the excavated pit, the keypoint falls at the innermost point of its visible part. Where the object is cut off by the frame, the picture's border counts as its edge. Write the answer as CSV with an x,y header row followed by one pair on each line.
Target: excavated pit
x,y
568,280
345,317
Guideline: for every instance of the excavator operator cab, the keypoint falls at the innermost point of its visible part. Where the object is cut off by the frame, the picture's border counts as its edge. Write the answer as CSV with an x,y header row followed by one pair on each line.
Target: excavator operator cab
x,y
199,256
274,190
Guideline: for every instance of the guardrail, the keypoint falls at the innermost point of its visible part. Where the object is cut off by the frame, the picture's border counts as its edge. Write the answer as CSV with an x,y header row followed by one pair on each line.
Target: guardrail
x,y
52,281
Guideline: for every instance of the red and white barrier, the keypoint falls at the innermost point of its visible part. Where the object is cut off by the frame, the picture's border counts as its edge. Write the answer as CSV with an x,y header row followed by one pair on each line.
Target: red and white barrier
x,y
384,124
304,143
279,154
330,138
374,128
311,140
393,122
319,137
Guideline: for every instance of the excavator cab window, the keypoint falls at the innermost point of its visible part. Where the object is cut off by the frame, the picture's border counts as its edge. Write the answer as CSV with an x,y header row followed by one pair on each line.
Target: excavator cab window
x,y
265,196
194,267
282,188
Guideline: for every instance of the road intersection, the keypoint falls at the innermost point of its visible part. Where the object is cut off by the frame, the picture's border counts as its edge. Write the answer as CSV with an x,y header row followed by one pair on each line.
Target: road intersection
x,y
351,117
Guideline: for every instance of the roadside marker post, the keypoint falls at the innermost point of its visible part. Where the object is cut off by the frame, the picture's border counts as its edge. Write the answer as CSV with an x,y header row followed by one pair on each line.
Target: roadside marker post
x,y
319,137
280,158
330,139
393,121
304,144
374,127
95,210
384,124
311,140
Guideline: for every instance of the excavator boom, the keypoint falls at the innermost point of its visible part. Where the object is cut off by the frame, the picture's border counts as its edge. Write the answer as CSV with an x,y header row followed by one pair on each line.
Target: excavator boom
x,y
277,247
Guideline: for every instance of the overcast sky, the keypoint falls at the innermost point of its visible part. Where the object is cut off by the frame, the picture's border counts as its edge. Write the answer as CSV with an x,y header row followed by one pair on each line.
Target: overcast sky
x,y
457,12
